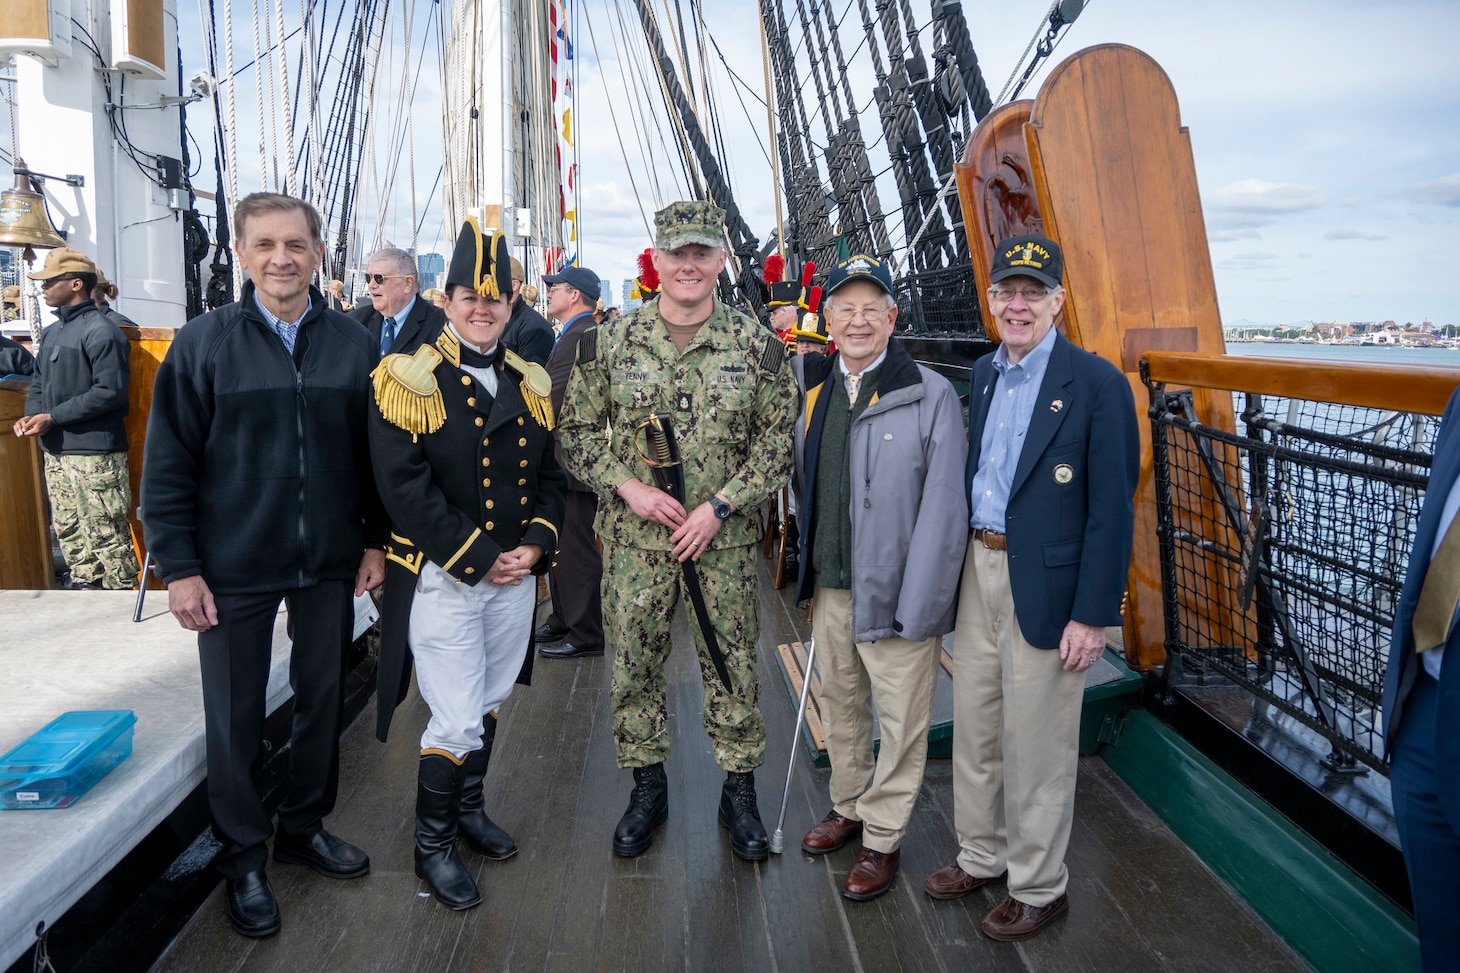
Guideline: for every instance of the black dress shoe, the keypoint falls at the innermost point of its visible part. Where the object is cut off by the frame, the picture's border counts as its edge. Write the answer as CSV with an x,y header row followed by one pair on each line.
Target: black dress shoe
x,y
545,634
323,852
252,908
566,650
740,814
648,809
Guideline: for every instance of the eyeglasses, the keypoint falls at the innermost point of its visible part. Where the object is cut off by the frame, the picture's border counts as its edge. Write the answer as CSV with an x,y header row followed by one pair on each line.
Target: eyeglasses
x,y
871,315
1031,295
560,286
382,278
48,284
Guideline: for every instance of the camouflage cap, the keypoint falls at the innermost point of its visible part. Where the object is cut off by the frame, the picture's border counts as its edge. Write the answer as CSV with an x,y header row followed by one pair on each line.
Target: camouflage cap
x,y
691,221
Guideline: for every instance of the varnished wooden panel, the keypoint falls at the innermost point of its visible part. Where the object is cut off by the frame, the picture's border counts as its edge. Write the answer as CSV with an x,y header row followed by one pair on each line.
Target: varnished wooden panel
x,y
1117,189
25,549
148,347
996,190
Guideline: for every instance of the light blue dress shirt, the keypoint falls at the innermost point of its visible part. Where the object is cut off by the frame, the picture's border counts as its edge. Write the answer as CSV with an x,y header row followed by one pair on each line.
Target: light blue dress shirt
x,y
1016,389
286,331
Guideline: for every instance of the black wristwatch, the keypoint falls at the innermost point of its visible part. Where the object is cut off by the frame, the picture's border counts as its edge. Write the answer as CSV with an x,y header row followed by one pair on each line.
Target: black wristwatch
x,y
721,508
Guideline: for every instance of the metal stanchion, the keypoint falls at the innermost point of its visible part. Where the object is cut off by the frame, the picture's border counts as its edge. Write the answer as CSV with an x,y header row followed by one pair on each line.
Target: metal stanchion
x,y
142,586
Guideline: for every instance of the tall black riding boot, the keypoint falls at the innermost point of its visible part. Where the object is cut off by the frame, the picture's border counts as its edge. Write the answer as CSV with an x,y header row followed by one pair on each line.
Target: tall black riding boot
x,y
438,798
648,809
739,813
480,831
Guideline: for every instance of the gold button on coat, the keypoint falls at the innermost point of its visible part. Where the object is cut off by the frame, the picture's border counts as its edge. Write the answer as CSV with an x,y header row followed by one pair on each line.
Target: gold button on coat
x,y
522,441
481,421
471,570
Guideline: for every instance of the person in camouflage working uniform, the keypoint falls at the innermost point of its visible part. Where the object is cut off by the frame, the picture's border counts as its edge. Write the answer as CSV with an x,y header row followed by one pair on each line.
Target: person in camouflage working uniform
x,y
723,379
77,405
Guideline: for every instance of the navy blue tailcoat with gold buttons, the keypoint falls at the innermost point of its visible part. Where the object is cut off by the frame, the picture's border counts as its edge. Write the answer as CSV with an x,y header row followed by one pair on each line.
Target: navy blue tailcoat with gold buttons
x,y
485,482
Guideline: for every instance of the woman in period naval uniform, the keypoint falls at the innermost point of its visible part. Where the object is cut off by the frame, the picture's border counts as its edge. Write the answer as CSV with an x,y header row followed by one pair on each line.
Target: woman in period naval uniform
x,y
461,438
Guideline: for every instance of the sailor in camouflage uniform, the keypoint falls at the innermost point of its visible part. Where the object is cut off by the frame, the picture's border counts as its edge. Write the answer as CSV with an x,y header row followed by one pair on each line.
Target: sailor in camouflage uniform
x,y
724,381
461,439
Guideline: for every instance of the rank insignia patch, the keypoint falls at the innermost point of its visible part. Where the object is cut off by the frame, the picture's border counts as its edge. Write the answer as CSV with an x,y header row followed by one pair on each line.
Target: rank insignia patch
x,y
684,401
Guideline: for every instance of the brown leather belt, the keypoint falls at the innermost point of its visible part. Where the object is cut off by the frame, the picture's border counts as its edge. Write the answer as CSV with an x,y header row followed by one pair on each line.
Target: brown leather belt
x,y
993,540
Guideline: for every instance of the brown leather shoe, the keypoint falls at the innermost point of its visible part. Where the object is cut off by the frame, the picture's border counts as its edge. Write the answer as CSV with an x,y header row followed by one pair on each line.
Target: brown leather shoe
x,y
1012,920
952,883
833,832
871,875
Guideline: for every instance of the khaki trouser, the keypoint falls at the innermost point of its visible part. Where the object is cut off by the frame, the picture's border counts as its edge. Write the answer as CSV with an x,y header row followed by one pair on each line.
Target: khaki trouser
x,y
1016,739
90,496
895,675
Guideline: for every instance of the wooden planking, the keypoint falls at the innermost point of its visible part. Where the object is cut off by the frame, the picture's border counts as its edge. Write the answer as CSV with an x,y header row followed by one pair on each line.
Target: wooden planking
x,y
567,903
1117,189
793,663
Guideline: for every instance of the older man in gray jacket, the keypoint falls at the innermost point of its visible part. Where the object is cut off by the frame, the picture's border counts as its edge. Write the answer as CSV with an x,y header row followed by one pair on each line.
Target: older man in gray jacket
x,y
880,451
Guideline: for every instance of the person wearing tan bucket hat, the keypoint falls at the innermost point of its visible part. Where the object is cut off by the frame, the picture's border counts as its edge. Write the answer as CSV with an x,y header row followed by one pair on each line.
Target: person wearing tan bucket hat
x,y
77,406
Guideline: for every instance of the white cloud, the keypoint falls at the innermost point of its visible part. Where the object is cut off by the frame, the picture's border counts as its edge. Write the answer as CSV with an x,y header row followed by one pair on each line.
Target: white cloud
x,y
1352,235
1250,261
1257,196
1231,235
1441,192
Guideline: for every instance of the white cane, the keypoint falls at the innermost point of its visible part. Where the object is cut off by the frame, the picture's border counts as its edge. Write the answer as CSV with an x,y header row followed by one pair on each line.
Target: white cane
x,y
777,840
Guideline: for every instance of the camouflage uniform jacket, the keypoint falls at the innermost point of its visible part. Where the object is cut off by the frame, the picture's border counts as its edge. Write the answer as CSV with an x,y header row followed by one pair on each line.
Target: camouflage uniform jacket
x,y
734,408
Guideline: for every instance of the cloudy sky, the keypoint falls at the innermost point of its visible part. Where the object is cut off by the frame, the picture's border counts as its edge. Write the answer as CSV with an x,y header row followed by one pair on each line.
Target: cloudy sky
x,y
1326,137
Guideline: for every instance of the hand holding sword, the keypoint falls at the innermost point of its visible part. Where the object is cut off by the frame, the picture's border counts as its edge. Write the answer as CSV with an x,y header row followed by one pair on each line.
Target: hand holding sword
x,y
692,535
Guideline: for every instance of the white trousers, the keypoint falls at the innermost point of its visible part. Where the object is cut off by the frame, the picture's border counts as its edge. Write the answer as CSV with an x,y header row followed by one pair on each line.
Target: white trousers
x,y
469,643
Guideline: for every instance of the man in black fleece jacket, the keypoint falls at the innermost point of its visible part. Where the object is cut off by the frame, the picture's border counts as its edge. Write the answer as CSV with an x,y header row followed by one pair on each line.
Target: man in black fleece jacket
x,y
257,488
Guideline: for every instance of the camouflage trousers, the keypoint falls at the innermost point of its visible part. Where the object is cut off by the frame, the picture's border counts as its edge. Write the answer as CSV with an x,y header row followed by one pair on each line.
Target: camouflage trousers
x,y
90,496
640,591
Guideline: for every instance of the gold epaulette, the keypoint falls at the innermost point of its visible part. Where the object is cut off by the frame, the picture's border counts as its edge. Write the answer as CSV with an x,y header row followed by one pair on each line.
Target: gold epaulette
x,y
407,393
536,386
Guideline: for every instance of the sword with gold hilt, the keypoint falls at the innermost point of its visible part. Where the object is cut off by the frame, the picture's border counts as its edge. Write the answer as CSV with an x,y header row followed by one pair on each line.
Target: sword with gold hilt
x,y
783,529
668,469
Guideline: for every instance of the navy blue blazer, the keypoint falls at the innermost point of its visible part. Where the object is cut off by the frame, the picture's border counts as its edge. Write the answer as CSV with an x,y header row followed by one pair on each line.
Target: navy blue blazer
x,y
1404,663
1069,542
422,327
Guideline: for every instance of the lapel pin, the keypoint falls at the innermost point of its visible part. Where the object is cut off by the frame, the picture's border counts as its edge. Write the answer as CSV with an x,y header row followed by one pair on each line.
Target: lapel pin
x,y
1056,405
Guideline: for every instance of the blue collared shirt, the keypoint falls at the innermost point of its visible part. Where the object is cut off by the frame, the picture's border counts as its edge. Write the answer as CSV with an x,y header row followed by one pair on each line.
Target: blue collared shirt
x,y
286,330
569,323
1016,389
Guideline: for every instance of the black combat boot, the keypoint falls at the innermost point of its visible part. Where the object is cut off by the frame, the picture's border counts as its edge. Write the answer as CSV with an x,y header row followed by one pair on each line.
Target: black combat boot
x,y
739,813
438,799
478,829
648,809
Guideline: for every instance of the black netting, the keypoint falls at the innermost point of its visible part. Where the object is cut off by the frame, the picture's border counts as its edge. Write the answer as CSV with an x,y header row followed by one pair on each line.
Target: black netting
x,y
1324,499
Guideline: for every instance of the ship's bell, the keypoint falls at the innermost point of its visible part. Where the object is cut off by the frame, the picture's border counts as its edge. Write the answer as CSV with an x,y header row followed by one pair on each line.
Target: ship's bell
x,y
23,219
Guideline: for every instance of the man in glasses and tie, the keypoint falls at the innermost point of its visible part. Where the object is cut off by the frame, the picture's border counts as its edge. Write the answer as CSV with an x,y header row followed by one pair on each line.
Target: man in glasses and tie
x,y
396,316
1420,697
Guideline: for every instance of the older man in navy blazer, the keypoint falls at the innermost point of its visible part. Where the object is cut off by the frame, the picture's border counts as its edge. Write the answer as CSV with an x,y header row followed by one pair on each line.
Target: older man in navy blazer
x,y
1422,709
397,317
1052,464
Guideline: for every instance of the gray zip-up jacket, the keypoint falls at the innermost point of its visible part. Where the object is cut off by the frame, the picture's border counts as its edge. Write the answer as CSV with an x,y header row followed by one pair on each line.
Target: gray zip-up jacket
x,y
909,514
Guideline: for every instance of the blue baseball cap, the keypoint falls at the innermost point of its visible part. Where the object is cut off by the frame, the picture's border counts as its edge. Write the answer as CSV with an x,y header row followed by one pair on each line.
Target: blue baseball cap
x,y
859,266
579,278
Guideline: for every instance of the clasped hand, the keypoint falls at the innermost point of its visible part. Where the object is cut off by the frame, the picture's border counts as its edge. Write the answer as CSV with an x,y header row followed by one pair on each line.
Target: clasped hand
x,y
514,565
693,531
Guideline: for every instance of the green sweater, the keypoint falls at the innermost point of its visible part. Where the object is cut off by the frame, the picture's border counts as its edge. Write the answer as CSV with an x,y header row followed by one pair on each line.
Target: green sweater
x,y
831,528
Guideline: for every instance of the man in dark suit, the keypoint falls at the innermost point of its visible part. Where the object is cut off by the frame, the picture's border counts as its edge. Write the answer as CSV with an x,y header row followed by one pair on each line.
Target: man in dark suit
x,y
575,627
1421,687
1052,465
528,333
396,316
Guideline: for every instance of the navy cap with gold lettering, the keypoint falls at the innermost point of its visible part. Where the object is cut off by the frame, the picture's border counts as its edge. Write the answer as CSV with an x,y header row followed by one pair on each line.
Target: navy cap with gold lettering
x,y
859,266
1029,255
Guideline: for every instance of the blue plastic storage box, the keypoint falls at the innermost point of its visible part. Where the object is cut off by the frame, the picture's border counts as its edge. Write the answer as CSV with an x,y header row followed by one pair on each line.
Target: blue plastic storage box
x,y
62,760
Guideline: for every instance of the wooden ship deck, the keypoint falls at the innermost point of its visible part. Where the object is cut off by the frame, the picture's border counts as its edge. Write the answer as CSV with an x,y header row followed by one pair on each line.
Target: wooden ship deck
x,y
1139,898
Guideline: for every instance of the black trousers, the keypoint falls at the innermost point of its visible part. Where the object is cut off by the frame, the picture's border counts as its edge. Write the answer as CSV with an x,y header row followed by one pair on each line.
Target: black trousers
x,y
576,574
234,656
